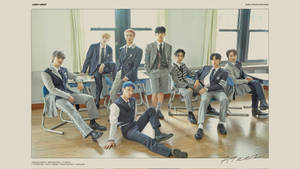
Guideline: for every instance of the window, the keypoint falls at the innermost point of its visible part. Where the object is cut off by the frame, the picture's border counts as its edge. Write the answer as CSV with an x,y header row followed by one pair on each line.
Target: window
x,y
106,24
245,30
144,23
258,35
227,34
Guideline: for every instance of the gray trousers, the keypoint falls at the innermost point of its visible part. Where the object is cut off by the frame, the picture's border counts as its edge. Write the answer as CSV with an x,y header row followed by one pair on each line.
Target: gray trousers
x,y
67,107
116,86
187,95
206,99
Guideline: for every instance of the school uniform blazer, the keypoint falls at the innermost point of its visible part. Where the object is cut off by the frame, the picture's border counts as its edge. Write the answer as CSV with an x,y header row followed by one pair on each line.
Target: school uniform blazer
x,y
238,76
129,64
151,54
93,56
49,106
218,82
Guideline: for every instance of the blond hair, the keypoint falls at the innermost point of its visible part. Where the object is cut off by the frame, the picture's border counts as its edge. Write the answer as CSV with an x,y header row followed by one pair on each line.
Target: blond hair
x,y
105,35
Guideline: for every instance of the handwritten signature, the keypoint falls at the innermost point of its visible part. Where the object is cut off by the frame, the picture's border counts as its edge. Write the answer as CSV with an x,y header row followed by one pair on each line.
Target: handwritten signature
x,y
237,158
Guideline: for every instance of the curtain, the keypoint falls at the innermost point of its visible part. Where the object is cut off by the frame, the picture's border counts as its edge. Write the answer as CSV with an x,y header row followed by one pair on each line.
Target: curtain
x,y
209,35
77,35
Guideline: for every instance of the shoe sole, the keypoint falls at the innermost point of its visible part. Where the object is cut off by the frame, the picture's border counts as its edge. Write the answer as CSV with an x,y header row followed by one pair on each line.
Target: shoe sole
x,y
191,121
165,138
96,140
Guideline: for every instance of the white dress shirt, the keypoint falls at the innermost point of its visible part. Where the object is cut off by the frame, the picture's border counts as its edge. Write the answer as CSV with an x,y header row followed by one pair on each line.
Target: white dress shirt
x,y
158,43
207,77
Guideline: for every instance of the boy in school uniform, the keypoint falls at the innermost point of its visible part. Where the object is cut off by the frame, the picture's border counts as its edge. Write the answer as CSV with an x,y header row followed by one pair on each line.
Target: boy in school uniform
x,y
158,65
127,67
123,114
99,60
55,79
244,84
212,80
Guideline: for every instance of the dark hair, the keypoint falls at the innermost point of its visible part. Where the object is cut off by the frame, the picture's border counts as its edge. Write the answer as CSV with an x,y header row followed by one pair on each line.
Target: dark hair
x,y
217,55
229,51
58,54
160,29
178,51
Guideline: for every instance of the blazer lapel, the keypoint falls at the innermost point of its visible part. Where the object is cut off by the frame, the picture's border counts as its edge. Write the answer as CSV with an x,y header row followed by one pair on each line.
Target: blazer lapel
x,y
97,51
216,73
205,73
55,72
154,49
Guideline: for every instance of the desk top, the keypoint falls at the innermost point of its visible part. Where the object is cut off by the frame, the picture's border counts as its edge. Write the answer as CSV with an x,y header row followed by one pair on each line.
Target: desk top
x,y
85,77
142,75
262,76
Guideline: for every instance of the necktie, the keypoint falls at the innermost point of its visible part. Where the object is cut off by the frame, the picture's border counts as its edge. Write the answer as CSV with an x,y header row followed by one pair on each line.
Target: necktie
x,y
102,55
212,74
61,73
159,55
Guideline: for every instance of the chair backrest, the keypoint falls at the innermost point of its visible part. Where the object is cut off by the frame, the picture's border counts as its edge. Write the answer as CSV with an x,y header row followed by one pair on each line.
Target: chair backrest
x,y
45,91
230,81
108,81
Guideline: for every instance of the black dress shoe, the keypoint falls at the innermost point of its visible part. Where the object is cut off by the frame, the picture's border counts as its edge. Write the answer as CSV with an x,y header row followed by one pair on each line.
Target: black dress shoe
x,y
163,137
192,118
98,106
179,154
211,111
95,135
160,115
97,126
263,105
199,134
259,114
221,129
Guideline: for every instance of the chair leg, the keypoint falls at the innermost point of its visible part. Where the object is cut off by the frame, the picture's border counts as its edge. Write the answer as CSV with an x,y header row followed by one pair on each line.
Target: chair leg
x,y
52,130
170,107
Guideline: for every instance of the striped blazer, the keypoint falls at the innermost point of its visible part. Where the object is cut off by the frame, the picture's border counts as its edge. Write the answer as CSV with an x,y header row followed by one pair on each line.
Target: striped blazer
x,y
179,75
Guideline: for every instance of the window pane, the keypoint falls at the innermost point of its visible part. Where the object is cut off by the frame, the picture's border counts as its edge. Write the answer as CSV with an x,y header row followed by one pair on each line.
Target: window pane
x,y
225,41
259,19
258,46
227,19
142,38
98,18
143,18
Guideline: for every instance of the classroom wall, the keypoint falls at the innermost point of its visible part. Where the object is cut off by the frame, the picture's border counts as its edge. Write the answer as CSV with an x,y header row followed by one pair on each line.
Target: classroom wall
x,y
50,31
185,29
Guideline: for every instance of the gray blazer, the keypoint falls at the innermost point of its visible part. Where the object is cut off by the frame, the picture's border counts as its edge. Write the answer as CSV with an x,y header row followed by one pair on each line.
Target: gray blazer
x,y
151,53
49,100
240,83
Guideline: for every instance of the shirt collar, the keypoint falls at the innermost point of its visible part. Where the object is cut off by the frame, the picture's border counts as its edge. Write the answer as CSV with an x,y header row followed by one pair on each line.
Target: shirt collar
x,y
130,46
102,46
125,100
178,64
55,68
158,43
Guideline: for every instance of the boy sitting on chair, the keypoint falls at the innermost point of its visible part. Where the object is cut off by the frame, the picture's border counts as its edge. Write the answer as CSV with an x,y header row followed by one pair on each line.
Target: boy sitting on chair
x,y
212,79
245,84
123,112
179,73
55,79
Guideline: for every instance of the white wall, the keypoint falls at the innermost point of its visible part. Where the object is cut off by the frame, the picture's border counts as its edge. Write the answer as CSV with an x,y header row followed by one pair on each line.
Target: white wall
x,y
184,30
51,30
